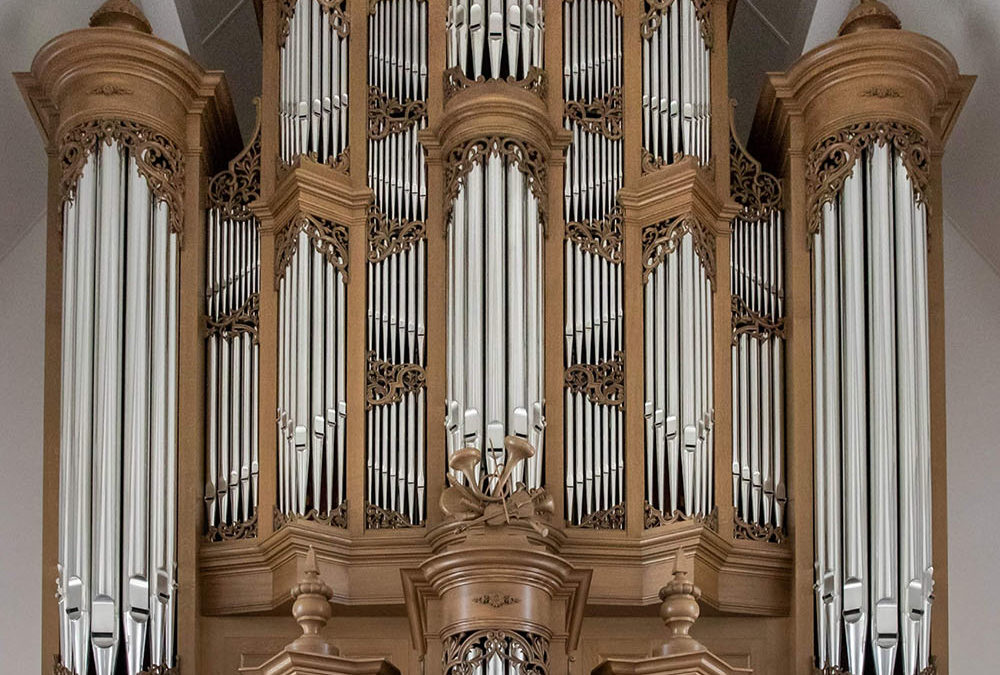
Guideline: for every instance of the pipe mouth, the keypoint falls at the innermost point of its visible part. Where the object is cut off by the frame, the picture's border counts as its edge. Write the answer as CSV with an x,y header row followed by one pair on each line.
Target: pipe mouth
x,y
869,15
120,14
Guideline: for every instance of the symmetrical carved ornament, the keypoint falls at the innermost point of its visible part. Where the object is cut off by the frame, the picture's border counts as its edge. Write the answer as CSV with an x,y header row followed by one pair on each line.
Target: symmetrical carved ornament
x,y
233,191
662,239
389,237
654,16
327,237
377,518
653,517
389,116
755,190
757,326
336,11
599,237
245,529
455,81
606,519
601,116
521,652
525,156
158,159
387,383
496,600
603,383
334,518
833,159
617,4
757,532
341,163
243,320
111,90
881,92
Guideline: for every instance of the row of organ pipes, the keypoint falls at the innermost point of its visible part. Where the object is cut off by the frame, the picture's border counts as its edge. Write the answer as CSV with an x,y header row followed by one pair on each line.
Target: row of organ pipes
x,y
676,92
397,72
313,101
495,39
118,473
593,309
872,414
679,403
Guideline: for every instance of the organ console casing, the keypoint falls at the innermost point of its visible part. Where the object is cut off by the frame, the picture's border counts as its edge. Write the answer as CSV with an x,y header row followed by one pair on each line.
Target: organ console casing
x,y
496,313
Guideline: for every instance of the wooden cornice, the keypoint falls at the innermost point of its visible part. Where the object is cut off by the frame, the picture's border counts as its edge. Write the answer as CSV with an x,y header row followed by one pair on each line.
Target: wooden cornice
x,y
311,188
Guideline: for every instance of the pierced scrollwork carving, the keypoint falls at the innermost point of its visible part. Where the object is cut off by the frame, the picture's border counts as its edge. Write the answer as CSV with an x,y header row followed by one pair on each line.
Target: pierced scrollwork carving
x,y
601,116
327,237
603,383
243,320
606,519
651,163
755,190
387,383
336,10
233,191
746,321
662,239
653,17
245,529
388,116
654,517
757,532
522,652
455,81
334,518
617,4
377,518
389,237
832,161
525,156
599,237
158,159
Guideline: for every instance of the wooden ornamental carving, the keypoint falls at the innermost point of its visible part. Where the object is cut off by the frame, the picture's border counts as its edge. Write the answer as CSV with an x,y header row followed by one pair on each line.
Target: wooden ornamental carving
x,y
599,237
654,517
158,159
603,383
327,237
389,237
246,529
235,189
662,239
832,161
605,519
334,518
654,16
522,652
526,157
455,81
378,518
243,320
601,116
335,9
757,531
388,382
496,600
388,116
746,321
757,192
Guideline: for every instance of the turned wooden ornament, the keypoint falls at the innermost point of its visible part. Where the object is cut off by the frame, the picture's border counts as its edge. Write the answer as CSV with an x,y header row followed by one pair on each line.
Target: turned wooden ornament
x,y
680,610
312,609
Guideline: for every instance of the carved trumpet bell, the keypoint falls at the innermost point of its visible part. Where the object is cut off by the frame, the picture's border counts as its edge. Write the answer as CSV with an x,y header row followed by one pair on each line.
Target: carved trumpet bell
x,y
465,461
518,450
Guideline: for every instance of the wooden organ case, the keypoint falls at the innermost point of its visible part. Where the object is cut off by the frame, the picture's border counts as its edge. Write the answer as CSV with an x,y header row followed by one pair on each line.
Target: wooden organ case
x,y
495,337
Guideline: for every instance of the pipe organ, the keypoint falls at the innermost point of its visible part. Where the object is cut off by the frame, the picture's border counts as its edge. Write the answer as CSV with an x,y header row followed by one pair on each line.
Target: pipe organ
x,y
321,353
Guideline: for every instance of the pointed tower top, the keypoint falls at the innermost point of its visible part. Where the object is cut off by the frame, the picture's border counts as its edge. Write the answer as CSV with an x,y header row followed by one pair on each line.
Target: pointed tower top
x,y
680,609
869,14
312,608
121,14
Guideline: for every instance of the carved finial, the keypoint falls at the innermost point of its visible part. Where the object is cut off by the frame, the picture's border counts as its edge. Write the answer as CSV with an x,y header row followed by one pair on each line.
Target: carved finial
x,y
680,610
120,14
312,609
867,15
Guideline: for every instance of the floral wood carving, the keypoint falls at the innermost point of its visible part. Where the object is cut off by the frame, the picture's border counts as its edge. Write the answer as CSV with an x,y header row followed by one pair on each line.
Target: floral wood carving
x,y
336,10
599,237
387,383
158,159
654,17
601,116
617,4
111,90
496,600
757,532
243,320
388,116
603,383
377,518
746,321
833,159
327,237
525,156
522,652
653,517
233,191
334,518
881,92
245,529
755,190
455,81
662,239
389,237
606,519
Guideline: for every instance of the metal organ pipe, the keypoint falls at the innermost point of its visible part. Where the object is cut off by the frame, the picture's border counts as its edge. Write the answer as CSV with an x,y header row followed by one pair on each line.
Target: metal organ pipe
x,y
118,409
872,479
495,39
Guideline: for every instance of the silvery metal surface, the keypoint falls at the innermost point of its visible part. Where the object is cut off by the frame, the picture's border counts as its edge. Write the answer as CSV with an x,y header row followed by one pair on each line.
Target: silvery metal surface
x,y
495,39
